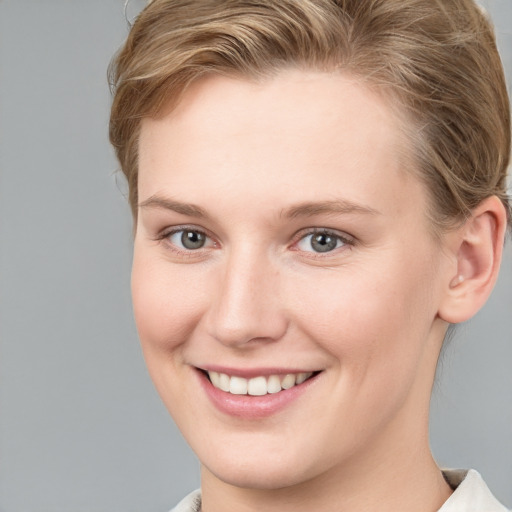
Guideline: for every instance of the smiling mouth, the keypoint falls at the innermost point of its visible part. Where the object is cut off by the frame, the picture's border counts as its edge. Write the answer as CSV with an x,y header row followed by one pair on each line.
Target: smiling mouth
x,y
257,386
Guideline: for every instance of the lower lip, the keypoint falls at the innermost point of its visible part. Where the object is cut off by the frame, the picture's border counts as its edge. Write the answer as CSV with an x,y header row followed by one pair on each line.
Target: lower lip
x,y
253,407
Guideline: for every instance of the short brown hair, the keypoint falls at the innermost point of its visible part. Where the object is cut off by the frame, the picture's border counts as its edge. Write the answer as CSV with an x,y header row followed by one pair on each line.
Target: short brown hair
x,y
437,58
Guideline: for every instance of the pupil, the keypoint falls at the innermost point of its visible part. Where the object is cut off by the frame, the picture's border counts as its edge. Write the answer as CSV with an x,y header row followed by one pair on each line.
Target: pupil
x,y
323,242
192,239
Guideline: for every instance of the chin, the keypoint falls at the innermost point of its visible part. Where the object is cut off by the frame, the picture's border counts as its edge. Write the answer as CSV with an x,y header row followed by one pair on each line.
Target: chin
x,y
258,476
260,468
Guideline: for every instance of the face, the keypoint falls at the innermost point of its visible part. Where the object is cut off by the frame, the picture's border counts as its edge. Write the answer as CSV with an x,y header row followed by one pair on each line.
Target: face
x,y
285,281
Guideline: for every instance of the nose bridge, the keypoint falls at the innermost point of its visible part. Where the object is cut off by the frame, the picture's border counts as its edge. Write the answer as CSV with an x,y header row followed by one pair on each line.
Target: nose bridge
x,y
246,306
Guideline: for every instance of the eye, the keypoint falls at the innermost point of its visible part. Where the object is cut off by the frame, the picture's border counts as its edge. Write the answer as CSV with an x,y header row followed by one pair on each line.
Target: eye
x,y
321,242
189,239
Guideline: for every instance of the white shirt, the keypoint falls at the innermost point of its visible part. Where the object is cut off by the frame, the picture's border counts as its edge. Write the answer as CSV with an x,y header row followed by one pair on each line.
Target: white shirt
x,y
471,494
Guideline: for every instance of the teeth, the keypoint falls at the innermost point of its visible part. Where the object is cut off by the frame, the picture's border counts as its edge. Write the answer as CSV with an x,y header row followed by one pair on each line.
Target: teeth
x,y
273,384
238,386
224,382
257,386
288,381
215,378
301,377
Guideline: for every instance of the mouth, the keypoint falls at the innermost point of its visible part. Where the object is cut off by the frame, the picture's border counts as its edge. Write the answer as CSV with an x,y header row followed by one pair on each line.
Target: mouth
x,y
260,394
259,385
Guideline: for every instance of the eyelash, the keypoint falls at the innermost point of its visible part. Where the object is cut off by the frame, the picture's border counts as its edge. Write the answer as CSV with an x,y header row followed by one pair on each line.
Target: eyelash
x,y
165,236
346,240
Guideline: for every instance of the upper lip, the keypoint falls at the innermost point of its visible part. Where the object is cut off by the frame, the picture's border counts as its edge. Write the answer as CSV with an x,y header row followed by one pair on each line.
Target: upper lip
x,y
249,373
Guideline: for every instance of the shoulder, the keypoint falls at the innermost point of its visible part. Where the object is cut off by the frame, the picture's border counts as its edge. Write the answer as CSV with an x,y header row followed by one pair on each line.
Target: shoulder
x,y
471,494
191,503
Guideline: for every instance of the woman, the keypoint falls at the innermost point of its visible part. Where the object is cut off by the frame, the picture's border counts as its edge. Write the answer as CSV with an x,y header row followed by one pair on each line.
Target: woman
x,y
319,192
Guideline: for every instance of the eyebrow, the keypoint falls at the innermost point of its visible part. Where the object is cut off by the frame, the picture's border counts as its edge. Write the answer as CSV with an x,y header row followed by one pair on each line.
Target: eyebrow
x,y
306,209
188,209
339,206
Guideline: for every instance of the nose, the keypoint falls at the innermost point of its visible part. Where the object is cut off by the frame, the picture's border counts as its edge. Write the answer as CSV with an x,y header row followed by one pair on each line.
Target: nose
x,y
246,307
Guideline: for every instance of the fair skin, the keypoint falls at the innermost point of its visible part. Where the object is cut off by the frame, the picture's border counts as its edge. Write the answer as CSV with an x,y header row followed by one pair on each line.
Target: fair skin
x,y
279,232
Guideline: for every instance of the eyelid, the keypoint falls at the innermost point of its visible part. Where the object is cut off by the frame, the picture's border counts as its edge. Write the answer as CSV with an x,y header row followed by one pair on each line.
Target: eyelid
x,y
165,234
346,239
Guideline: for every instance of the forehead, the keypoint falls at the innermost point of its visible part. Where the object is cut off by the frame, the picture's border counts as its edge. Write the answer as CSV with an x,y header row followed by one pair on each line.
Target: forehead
x,y
300,130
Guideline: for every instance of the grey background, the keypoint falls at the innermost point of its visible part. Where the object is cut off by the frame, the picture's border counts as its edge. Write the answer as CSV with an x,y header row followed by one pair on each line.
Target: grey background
x,y
81,428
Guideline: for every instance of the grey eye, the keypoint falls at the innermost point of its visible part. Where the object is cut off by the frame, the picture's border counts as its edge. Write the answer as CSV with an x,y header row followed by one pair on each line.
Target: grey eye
x,y
192,239
320,242
323,242
188,239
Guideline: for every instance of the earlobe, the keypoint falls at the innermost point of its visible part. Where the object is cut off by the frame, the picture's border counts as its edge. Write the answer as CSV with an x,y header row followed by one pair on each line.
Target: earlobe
x,y
478,248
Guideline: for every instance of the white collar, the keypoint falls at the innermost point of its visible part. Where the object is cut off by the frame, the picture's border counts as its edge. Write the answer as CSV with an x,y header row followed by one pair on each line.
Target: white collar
x,y
471,493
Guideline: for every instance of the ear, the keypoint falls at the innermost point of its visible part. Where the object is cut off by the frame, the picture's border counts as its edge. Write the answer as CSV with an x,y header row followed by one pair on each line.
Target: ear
x,y
477,247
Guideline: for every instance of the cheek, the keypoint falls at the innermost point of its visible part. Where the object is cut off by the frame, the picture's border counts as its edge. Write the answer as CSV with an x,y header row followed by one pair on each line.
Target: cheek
x,y
376,316
166,303
166,309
